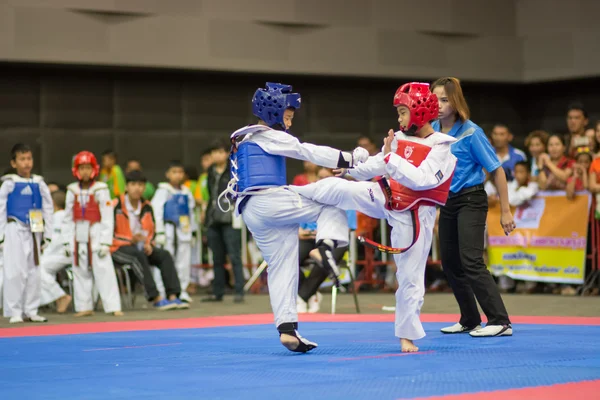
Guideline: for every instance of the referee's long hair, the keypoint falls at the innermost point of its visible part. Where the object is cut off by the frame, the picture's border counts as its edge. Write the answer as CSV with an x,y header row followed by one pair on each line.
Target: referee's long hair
x,y
455,96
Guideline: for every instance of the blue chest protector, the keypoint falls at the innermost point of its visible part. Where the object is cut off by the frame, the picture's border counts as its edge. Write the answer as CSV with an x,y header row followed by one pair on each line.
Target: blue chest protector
x,y
25,196
175,207
258,169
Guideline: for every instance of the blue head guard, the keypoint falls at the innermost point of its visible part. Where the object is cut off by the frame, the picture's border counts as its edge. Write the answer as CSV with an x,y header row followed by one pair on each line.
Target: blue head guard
x,y
270,103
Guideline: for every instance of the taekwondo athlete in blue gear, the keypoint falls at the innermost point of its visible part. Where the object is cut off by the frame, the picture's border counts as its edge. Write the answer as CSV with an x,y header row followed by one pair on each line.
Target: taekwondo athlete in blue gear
x,y
25,216
272,212
173,206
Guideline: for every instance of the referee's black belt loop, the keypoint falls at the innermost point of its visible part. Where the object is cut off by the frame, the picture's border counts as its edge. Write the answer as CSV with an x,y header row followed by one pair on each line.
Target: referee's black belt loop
x,y
464,191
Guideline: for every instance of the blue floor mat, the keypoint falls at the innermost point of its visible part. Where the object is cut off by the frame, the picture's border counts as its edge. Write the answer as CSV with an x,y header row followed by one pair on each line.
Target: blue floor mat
x,y
353,361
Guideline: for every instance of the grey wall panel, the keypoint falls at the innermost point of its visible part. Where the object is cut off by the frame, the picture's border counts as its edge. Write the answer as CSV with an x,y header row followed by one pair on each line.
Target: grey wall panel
x,y
60,145
174,115
217,105
76,102
148,104
337,110
196,142
154,149
19,101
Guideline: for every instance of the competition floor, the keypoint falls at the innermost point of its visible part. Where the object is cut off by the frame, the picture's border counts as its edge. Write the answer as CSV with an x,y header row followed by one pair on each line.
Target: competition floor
x,y
239,357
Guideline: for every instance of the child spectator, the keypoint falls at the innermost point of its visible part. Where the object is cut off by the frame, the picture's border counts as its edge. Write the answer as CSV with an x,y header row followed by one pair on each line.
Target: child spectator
x,y
507,154
173,206
536,143
133,245
112,174
87,233
594,176
521,189
555,167
579,181
308,176
25,229
135,165
223,237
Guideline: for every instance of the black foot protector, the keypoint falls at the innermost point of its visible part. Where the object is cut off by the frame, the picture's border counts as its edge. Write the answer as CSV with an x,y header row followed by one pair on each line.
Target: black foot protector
x,y
292,339
325,248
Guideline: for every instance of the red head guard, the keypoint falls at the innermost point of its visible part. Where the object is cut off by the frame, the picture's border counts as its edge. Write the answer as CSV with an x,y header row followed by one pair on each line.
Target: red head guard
x,y
85,157
423,104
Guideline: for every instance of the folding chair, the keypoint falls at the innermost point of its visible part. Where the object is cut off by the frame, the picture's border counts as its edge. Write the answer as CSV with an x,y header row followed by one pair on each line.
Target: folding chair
x,y
124,279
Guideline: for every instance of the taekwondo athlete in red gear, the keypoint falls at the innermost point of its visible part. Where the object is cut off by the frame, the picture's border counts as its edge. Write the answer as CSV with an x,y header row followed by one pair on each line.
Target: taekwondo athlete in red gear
x,y
25,217
415,169
272,212
87,233
173,205
55,259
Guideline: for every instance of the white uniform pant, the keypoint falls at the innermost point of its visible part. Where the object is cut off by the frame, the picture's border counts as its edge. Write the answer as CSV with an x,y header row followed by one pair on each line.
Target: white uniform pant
x,y
104,278
182,258
274,220
368,198
21,275
52,263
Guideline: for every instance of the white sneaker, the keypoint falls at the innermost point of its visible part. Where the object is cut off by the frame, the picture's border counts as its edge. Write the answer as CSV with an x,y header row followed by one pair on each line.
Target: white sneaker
x,y
16,320
301,306
314,303
185,296
493,330
458,328
37,318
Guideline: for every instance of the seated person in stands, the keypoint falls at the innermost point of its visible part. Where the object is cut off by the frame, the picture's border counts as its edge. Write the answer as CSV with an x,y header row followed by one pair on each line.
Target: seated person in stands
x,y
112,174
133,244
580,179
133,164
521,189
536,143
309,298
555,167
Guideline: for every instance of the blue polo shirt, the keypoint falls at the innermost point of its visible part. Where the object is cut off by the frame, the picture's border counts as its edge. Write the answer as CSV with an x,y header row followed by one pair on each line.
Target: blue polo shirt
x,y
512,158
473,151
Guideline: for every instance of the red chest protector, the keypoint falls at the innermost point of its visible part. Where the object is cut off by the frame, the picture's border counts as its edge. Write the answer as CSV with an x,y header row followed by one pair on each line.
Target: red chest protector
x,y
403,198
92,209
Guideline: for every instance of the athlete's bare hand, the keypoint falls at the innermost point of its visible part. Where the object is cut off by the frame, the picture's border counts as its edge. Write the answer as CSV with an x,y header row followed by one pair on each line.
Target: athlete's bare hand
x,y
387,142
340,172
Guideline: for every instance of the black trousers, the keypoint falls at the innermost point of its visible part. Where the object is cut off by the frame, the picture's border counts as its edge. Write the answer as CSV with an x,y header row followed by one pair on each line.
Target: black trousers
x,y
224,240
462,230
140,263
308,286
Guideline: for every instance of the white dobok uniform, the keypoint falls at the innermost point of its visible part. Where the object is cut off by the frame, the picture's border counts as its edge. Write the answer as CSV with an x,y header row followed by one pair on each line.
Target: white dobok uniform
x,y
87,230
53,260
419,172
174,217
273,213
25,215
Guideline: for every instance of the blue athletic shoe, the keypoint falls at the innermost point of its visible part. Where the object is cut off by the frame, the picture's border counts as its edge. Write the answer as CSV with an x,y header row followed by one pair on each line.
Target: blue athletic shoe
x,y
165,305
181,305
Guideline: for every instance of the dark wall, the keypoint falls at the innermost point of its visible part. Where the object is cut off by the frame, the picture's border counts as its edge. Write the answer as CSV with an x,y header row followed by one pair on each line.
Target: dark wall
x,y
161,115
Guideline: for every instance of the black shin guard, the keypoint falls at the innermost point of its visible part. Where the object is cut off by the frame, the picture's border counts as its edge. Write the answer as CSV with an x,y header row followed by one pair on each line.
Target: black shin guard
x,y
290,328
325,248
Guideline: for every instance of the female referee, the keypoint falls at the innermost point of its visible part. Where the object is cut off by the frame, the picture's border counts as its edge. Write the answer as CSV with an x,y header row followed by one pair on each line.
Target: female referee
x,y
463,218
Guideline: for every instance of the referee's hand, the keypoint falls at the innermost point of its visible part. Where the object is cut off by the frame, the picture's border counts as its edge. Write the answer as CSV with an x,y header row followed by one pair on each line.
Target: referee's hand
x,y
507,222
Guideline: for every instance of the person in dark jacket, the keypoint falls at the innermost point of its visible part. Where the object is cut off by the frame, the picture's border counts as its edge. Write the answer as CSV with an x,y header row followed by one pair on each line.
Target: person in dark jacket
x,y
223,238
